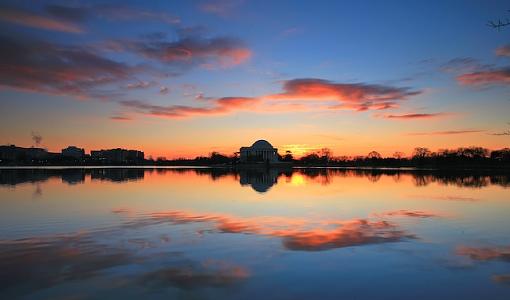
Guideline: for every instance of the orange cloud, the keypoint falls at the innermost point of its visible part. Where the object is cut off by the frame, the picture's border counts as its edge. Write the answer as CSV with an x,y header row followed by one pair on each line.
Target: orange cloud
x,y
35,21
359,96
298,95
296,234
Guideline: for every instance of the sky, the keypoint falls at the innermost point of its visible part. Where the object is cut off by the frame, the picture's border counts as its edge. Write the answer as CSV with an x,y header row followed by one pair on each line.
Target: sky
x,y
185,78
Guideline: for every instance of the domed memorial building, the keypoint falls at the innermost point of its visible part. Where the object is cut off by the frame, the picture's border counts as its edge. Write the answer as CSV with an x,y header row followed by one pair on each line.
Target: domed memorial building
x,y
260,151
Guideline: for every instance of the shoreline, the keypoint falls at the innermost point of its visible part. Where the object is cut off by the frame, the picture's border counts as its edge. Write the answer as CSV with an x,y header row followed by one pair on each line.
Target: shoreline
x,y
251,167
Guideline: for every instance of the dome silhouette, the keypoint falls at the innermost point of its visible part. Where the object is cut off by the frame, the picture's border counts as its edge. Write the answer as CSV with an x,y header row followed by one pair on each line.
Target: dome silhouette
x,y
262,144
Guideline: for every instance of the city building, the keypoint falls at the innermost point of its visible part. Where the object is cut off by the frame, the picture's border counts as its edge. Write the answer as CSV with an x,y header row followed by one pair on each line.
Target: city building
x,y
73,152
117,155
260,151
13,153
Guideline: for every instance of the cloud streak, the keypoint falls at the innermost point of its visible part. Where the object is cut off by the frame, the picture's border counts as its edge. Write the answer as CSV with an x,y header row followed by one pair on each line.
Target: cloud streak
x,y
219,106
485,254
503,50
80,14
415,116
492,76
408,213
28,19
447,132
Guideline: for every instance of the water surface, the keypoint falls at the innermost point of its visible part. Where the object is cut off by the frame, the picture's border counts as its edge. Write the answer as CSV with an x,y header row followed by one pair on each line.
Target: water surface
x,y
175,233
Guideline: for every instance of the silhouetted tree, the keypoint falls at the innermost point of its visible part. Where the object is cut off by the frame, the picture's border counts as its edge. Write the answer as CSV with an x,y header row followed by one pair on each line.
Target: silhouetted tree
x,y
288,156
399,155
498,24
421,153
325,154
502,155
374,155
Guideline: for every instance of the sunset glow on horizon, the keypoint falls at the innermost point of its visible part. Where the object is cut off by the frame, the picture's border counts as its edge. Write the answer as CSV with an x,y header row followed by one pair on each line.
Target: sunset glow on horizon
x,y
183,79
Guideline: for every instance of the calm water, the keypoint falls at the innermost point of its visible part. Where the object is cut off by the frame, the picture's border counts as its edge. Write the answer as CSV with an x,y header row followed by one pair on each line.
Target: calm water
x,y
218,234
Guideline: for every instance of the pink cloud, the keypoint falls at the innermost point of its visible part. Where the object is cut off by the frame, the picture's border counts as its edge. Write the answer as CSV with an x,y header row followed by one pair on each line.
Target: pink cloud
x,y
353,93
488,77
220,106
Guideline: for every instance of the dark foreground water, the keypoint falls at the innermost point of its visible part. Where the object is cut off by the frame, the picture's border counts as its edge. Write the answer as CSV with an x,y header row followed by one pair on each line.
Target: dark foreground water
x,y
218,234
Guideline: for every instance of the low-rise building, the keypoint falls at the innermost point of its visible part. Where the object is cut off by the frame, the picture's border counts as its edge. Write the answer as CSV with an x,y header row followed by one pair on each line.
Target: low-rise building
x,y
74,152
118,155
13,153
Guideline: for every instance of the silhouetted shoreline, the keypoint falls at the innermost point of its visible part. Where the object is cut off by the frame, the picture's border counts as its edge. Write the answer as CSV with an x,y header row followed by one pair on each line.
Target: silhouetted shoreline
x,y
470,158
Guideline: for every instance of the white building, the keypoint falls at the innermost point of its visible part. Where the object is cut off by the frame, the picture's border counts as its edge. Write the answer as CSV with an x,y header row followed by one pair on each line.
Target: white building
x,y
260,151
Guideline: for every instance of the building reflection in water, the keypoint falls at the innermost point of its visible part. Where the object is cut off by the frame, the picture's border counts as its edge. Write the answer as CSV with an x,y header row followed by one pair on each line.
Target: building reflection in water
x,y
260,180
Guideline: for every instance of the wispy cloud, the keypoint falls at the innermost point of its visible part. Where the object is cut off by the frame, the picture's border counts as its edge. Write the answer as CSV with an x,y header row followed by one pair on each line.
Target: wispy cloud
x,y
447,132
408,213
492,76
140,85
415,116
83,13
219,106
121,118
221,8
485,253
504,278
163,90
29,19
503,50
462,65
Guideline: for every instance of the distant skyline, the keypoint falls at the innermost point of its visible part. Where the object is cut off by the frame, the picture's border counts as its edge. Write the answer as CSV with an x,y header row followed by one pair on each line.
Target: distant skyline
x,y
185,78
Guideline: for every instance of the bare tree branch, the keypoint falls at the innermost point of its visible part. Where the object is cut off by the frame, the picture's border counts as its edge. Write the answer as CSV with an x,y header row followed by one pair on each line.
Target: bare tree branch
x,y
499,24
